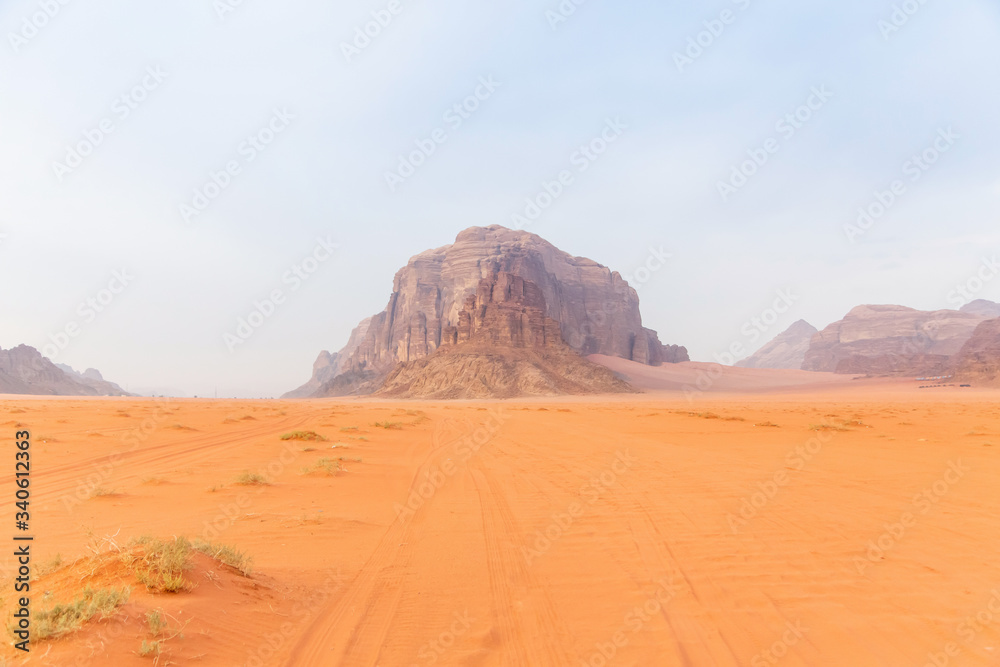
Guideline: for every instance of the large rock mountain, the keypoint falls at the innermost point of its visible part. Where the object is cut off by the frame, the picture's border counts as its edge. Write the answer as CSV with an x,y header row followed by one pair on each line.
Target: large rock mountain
x,y
891,340
502,346
595,310
787,350
979,359
23,370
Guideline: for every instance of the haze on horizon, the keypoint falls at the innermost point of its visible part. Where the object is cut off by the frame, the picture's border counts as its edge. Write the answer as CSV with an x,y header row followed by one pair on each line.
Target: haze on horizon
x,y
287,137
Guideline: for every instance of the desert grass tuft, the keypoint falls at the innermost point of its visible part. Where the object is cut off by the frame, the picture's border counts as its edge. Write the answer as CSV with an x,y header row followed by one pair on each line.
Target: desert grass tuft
x,y
65,618
159,565
388,425
247,478
155,622
304,435
226,555
327,465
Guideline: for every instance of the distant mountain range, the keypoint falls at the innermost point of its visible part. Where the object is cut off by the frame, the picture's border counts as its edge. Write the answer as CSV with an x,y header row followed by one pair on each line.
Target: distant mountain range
x,y
888,340
23,370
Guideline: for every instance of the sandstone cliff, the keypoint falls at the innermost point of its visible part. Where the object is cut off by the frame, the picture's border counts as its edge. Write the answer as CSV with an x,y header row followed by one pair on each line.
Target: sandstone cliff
x,y
786,351
890,340
979,359
23,370
502,346
595,310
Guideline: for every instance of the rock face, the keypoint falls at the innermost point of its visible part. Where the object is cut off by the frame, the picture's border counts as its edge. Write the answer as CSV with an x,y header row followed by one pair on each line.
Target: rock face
x,y
891,340
982,307
595,310
502,346
979,359
786,351
23,370
328,366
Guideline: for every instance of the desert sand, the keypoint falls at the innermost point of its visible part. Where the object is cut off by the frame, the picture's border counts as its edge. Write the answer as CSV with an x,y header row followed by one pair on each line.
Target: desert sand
x,y
818,526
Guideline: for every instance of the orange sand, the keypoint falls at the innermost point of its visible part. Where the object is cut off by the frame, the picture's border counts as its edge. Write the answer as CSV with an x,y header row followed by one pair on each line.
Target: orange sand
x,y
650,529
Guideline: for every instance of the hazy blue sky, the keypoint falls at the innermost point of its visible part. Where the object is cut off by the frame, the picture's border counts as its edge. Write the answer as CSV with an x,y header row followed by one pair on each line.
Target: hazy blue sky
x,y
182,86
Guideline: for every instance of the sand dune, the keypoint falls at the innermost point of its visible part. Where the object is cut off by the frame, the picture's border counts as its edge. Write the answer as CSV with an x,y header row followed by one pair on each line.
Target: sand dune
x,y
813,529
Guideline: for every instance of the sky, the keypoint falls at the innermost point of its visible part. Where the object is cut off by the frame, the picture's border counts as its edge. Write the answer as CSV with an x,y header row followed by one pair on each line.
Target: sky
x,y
168,168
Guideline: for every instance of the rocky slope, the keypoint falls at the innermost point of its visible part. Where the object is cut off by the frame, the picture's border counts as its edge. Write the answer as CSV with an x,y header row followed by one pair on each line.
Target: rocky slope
x,y
328,366
979,359
23,370
786,351
891,340
595,310
503,345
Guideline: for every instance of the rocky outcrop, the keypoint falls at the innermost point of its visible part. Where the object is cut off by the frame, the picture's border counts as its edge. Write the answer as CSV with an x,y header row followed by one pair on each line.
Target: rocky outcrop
x,y
982,307
787,350
503,345
23,370
978,361
328,366
595,310
93,378
890,340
